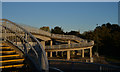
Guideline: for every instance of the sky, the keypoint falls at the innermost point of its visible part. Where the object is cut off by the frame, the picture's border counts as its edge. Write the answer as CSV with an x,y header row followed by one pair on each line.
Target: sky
x,y
60,0
69,16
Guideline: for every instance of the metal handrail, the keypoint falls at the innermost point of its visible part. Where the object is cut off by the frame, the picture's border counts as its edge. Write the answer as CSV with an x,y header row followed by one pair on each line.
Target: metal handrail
x,y
48,34
73,45
19,34
35,30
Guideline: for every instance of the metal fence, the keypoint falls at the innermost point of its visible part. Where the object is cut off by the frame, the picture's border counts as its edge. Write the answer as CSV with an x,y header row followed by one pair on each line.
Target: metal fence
x,y
73,45
45,33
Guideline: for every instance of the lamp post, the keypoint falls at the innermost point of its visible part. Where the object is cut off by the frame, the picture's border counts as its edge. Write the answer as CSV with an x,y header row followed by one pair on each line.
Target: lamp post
x,y
97,54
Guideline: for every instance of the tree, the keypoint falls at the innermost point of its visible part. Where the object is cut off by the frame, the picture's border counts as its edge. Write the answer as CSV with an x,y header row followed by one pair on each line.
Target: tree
x,y
73,33
45,28
88,35
57,30
107,37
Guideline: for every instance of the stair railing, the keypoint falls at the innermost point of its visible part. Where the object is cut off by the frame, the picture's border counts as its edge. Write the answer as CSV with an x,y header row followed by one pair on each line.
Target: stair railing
x,y
26,42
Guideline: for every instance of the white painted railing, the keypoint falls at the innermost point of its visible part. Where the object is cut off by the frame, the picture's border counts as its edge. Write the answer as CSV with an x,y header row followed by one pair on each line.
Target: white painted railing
x,y
45,33
73,45
70,37
82,42
36,30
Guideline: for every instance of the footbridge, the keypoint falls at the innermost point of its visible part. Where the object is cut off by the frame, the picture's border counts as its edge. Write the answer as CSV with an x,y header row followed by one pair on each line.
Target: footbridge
x,y
20,50
72,42
29,43
37,32
26,49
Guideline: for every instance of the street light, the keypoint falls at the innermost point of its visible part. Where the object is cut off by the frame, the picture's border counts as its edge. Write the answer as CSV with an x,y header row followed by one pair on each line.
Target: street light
x,y
97,54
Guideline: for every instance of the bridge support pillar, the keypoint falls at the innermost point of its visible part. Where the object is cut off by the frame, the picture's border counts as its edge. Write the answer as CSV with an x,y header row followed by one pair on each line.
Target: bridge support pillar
x,y
56,53
69,43
46,54
62,53
43,44
90,52
68,55
50,54
51,43
83,53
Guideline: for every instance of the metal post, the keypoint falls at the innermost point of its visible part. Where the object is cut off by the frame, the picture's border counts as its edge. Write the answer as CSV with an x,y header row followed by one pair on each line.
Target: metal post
x,y
43,44
68,55
46,54
56,53
16,36
90,52
5,32
97,44
51,43
62,53
83,53
69,43
25,36
50,54
16,40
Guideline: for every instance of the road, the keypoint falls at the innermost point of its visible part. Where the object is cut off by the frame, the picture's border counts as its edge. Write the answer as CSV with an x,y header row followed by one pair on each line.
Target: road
x,y
69,66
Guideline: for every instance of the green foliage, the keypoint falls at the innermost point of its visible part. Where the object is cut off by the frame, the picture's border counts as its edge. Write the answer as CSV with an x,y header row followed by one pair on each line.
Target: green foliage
x,y
88,35
57,30
73,33
107,39
45,29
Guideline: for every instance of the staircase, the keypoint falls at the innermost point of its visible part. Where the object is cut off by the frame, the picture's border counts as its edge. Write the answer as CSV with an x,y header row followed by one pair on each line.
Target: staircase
x,y
20,51
11,61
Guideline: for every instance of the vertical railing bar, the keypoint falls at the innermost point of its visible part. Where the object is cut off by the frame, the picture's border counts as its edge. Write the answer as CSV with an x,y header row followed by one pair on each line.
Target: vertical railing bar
x,y
5,31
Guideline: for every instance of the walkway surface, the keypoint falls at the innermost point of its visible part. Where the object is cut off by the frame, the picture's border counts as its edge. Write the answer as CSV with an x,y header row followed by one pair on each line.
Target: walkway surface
x,y
69,66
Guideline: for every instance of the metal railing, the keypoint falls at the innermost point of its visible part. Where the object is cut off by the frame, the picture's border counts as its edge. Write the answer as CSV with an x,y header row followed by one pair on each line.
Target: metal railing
x,y
15,34
48,34
69,37
73,45
36,30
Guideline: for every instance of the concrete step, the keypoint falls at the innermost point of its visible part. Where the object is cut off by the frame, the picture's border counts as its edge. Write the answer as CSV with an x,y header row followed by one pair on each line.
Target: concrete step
x,y
5,47
10,66
13,63
7,52
3,44
6,56
9,58
14,60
